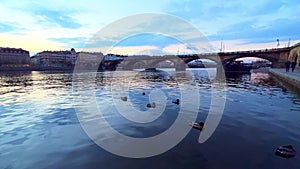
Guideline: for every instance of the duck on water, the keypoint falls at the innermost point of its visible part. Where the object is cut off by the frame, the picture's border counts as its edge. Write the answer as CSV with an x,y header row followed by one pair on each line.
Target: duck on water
x,y
197,125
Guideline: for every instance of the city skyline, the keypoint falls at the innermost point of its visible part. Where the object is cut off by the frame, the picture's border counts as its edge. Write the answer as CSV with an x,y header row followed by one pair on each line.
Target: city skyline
x,y
61,25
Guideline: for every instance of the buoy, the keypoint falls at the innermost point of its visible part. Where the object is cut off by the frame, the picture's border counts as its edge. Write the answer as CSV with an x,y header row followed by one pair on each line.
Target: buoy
x,y
124,98
285,151
197,125
151,105
143,93
175,101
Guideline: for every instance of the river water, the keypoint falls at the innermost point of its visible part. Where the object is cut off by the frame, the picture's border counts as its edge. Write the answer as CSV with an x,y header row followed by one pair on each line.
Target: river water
x,y
39,127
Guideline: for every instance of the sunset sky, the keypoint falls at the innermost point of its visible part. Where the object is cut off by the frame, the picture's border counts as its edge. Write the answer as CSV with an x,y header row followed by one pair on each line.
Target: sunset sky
x,y
59,25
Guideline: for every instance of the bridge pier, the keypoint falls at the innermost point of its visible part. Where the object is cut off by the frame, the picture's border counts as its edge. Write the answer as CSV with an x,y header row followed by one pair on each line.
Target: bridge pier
x,y
220,75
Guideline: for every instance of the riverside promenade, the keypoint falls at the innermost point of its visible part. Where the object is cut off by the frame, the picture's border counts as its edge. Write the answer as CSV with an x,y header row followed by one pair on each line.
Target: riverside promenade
x,y
292,78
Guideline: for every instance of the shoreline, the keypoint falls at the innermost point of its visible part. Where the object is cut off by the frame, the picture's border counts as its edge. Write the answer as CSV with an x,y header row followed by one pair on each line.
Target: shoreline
x,y
290,78
36,68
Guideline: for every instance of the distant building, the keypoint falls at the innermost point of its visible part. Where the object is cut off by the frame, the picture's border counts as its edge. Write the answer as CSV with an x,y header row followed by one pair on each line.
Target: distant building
x,y
71,57
55,58
89,59
14,57
113,57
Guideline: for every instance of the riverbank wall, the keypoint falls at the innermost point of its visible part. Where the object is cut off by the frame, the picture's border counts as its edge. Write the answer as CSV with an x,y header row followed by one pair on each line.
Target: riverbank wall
x,y
291,78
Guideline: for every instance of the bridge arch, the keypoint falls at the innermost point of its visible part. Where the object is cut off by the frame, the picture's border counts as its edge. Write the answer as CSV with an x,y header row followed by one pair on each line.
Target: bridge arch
x,y
212,57
132,64
202,63
178,63
139,65
277,57
154,63
167,63
265,57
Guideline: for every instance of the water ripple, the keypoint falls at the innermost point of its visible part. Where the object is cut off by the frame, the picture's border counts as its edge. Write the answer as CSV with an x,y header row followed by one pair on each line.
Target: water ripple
x,y
39,126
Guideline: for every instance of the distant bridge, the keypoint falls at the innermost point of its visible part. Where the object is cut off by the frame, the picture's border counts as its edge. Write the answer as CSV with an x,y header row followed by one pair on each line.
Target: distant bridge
x,y
277,56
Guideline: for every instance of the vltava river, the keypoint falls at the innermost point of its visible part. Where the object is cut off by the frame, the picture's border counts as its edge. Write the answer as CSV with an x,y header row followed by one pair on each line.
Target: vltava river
x,y
39,127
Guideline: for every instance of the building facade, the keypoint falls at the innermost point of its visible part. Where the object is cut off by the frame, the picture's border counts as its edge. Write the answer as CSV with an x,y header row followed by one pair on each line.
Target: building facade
x,y
55,58
88,60
13,57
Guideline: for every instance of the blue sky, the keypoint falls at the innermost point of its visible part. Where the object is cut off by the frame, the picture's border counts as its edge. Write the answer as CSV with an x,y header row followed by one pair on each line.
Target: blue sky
x,y
59,25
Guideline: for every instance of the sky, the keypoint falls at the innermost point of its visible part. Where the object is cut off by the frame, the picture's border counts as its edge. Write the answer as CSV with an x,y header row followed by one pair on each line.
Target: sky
x,y
61,25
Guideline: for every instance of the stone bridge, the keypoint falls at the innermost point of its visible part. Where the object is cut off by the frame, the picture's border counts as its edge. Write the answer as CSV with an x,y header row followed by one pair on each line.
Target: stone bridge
x,y
277,56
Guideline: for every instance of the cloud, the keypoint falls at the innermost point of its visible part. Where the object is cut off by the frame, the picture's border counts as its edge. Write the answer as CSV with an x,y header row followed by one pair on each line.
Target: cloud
x,y
76,42
280,28
245,45
52,18
66,24
177,49
240,19
32,43
161,31
131,50
148,39
17,20
6,28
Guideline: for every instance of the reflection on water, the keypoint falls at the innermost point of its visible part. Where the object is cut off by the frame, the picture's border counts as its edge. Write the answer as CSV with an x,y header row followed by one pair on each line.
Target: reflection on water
x,y
39,127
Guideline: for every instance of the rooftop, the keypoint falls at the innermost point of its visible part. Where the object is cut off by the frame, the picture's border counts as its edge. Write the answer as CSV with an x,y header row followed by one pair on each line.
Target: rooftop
x,y
13,50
